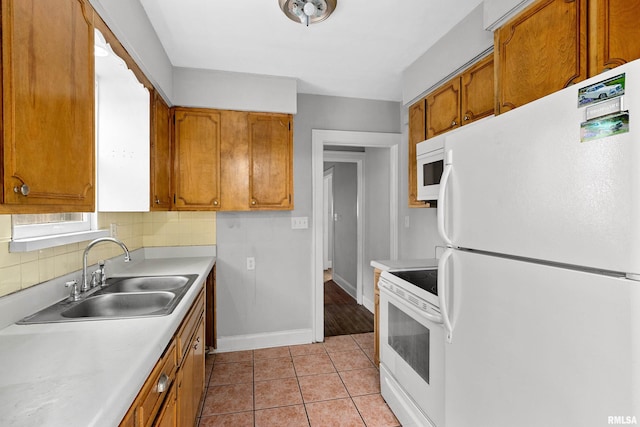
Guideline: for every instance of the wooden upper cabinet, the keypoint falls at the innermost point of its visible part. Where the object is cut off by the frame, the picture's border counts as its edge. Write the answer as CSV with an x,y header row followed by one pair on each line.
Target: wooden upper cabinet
x,y
270,161
614,33
417,133
234,161
160,195
540,51
477,91
443,108
48,142
196,159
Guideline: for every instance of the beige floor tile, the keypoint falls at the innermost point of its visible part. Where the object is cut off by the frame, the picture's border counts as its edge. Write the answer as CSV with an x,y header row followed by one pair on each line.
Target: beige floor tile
x,y
375,412
313,364
349,360
361,381
271,353
322,387
226,399
270,369
306,349
334,413
231,373
340,343
234,357
364,340
286,416
274,393
240,419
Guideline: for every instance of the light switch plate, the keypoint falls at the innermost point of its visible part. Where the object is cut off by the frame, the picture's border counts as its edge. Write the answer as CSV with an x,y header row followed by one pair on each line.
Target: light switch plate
x,y
299,223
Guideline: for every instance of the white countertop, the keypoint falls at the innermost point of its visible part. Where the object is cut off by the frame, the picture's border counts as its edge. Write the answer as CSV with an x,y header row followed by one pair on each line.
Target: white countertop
x,y
404,264
88,373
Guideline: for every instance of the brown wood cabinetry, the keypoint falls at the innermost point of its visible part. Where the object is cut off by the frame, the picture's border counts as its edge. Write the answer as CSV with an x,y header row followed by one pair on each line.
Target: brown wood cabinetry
x,y
477,91
540,51
417,133
462,100
443,108
160,154
270,161
172,393
614,33
47,106
196,159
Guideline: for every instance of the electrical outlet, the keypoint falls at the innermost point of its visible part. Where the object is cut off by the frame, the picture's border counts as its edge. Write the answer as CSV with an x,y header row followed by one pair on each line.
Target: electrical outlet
x,y
299,223
113,229
251,263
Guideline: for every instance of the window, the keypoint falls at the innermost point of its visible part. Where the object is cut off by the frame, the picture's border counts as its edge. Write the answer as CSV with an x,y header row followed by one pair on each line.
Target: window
x,y
28,226
41,231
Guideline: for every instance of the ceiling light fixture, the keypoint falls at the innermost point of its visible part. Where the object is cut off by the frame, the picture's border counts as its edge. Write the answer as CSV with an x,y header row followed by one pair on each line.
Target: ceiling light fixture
x,y
308,11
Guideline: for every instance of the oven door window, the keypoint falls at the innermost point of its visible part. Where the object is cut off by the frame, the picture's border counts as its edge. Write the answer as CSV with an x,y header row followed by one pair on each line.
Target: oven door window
x,y
410,340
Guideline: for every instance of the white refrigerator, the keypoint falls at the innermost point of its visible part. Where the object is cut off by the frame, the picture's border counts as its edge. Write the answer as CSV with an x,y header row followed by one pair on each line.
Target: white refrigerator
x,y
540,209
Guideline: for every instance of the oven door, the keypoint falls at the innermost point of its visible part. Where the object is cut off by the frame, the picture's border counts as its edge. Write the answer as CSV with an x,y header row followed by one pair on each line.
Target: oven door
x,y
412,353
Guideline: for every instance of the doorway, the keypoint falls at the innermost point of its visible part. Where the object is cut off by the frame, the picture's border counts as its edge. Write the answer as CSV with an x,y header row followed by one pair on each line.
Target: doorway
x,y
320,138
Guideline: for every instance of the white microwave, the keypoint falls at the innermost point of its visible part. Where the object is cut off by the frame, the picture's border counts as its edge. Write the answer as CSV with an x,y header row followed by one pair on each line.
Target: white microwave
x,y
430,157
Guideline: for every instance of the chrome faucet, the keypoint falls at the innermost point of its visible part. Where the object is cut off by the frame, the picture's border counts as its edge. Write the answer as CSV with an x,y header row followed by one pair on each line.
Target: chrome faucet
x,y
85,280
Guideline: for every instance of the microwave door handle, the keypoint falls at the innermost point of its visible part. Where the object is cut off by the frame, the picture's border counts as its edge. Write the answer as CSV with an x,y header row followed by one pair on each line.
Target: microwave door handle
x,y
441,213
442,294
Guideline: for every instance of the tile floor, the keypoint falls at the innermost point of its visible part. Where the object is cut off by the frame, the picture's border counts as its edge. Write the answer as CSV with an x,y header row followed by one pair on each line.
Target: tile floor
x,y
327,384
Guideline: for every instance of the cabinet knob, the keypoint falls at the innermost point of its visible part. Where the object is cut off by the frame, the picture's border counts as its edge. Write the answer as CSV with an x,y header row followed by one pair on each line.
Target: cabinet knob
x,y
23,189
466,118
163,383
253,202
215,202
453,123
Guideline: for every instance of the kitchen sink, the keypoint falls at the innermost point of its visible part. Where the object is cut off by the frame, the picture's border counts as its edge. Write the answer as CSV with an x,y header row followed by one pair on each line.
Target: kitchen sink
x,y
145,284
121,305
120,298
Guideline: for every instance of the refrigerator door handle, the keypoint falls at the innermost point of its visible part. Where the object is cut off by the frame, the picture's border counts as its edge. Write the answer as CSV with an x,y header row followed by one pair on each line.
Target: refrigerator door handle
x,y
442,294
441,198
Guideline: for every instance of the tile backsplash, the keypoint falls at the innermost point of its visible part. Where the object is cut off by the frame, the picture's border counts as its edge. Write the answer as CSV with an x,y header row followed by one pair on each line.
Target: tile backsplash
x,y
138,229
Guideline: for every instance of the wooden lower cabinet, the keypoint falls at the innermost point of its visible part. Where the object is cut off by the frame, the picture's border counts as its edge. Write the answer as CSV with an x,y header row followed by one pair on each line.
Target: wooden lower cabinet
x,y
191,379
172,393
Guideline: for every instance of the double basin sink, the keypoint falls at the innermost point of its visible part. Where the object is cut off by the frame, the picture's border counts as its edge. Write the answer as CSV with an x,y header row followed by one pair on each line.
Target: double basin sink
x,y
121,297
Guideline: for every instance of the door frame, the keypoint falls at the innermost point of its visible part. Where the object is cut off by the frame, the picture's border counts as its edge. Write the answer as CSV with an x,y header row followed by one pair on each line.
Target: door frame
x,y
320,138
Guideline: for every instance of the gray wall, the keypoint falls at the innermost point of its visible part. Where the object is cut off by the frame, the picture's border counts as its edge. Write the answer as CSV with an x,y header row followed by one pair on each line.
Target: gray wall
x,y
345,242
276,296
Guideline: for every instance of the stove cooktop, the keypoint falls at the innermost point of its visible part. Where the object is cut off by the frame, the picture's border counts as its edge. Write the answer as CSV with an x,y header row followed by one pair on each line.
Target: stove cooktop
x,y
424,279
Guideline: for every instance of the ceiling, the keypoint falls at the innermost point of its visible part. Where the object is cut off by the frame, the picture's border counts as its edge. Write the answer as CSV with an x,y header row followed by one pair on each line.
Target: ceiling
x,y
360,51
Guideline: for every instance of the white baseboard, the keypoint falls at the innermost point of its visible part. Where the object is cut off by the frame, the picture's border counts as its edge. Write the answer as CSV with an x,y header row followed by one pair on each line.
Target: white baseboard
x,y
344,284
266,340
368,304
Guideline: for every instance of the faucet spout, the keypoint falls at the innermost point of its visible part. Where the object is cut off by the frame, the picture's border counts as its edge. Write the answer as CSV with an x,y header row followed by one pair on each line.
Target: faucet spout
x,y
85,282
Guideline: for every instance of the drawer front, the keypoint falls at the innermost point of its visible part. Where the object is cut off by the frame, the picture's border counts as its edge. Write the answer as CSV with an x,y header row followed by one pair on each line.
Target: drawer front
x,y
157,387
189,326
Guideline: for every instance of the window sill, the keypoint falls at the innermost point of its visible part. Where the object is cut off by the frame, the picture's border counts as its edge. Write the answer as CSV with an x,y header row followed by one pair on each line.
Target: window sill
x,y
36,243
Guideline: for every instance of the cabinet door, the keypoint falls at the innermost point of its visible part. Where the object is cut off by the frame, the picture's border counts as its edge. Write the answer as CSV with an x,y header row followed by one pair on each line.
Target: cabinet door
x,y
168,413
196,173
614,33
477,91
443,108
234,161
48,105
417,133
199,349
540,51
160,154
270,161
191,379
